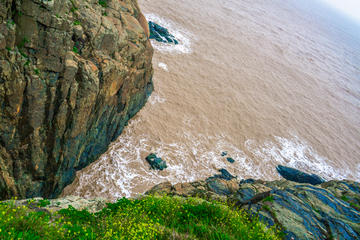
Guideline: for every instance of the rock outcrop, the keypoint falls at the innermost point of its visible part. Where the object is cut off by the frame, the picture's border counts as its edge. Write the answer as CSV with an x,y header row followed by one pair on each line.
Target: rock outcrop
x,y
330,210
72,74
39,204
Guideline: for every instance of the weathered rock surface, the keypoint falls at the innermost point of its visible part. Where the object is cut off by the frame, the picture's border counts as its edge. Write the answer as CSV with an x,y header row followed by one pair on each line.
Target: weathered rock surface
x,y
72,73
303,211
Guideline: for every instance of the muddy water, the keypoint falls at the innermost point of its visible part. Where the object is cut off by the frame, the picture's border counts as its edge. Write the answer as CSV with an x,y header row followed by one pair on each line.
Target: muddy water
x,y
271,82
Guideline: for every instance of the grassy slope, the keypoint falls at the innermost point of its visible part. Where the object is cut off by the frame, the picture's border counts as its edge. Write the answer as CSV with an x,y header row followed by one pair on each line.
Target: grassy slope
x,y
152,217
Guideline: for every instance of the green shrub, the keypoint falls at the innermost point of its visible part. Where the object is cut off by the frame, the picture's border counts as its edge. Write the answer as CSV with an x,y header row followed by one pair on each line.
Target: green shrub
x,y
266,207
103,3
43,203
345,198
77,22
20,223
75,50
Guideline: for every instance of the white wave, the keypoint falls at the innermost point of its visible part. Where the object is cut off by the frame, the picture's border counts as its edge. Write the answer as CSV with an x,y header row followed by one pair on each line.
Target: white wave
x,y
155,97
163,66
295,153
123,171
182,35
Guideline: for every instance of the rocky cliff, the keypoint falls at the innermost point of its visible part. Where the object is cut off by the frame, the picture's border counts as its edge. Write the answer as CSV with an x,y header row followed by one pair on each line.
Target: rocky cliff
x,y
72,74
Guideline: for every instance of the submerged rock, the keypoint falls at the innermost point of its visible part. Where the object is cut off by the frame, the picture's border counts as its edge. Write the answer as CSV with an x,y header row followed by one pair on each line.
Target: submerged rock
x,y
161,34
224,153
224,175
71,77
230,160
155,162
295,175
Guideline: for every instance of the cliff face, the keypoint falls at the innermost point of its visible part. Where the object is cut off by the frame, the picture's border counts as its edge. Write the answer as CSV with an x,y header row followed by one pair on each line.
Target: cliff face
x,y
72,73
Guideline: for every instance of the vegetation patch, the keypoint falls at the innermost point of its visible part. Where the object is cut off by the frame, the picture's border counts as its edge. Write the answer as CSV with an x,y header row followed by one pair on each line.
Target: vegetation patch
x,y
103,3
77,22
269,198
75,50
151,217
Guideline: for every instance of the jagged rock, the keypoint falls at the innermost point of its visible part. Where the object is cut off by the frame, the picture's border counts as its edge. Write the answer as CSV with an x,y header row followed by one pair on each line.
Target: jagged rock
x,y
295,175
71,77
303,210
155,162
161,34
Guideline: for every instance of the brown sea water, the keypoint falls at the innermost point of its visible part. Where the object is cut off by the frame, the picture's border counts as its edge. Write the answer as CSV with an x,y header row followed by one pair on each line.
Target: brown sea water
x,y
271,82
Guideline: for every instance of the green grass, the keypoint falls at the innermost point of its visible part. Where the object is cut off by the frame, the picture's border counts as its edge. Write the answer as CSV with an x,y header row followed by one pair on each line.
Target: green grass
x,y
269,198
152,217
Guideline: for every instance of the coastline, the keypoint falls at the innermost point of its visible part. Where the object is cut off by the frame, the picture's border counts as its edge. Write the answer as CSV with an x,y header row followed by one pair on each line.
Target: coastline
x,y
329,210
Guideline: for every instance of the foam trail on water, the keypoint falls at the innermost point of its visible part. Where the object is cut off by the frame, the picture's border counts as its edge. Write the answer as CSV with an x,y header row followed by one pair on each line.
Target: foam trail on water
x,y
295,153
156,97
182,35
123,171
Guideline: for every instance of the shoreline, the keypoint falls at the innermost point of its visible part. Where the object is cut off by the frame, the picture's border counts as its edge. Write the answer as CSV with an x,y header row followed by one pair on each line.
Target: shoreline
x,y
301,210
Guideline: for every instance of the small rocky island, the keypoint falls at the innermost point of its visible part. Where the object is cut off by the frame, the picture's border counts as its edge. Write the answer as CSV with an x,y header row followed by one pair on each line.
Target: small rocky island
x,y
161,34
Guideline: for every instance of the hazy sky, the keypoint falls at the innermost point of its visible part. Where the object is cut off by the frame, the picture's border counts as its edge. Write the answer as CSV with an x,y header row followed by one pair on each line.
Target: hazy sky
x,y
349,7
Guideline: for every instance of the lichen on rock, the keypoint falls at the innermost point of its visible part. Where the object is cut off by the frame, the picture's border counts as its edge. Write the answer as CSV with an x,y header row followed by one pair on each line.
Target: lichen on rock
x,y
72,74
